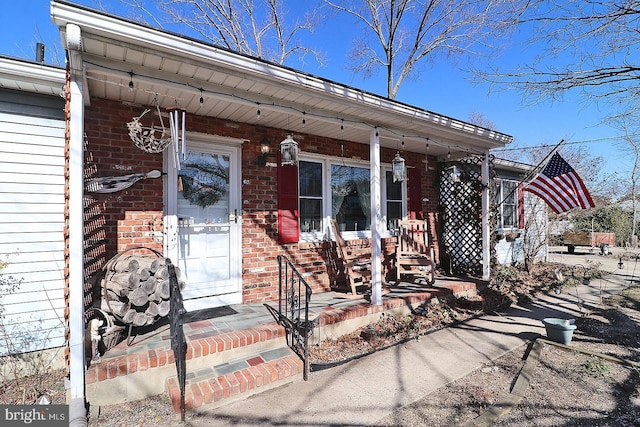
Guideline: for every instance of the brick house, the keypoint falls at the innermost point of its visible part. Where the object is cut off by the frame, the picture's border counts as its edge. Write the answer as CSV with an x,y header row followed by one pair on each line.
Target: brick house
x,y
225,204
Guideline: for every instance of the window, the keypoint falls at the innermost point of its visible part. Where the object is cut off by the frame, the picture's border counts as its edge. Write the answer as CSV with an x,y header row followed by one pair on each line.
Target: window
x,y
506,200
341,191
351,197
394,201
310,196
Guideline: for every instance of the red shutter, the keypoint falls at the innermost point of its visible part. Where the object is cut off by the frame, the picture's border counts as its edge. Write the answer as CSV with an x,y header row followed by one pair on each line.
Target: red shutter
x,y
520,206
288,230
415,194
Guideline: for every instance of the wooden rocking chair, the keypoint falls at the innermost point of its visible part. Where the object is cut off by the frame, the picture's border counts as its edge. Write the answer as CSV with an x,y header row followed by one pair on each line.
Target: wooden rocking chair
x,y
356,260
414,252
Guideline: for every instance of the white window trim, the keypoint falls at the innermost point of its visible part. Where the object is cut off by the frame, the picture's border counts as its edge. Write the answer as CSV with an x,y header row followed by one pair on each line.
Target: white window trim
x,y
327,233
500,227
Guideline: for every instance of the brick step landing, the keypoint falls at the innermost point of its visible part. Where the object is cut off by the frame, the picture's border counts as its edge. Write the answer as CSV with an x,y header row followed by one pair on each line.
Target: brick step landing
x,y
220,384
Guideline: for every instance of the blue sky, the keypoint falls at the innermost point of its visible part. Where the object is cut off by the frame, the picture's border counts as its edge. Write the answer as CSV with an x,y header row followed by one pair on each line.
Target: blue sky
x,y
444,88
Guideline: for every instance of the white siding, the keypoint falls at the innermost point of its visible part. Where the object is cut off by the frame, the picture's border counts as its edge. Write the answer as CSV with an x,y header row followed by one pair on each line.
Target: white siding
x,y
32,230
509,252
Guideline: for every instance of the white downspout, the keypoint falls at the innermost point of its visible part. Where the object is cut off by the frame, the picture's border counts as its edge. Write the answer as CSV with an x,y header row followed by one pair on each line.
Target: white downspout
x,y
486,232
77,410
376,219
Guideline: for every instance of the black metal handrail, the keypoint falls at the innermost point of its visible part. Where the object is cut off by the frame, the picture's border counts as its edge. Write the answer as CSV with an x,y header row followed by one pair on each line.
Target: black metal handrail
x,y
293,310
178,342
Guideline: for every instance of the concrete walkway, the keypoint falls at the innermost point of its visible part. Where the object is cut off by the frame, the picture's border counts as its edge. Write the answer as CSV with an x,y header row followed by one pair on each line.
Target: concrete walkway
x,y
363,391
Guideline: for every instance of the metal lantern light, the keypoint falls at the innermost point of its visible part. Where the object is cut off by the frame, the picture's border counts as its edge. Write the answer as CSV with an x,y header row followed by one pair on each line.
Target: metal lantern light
x,y
289,152
397,168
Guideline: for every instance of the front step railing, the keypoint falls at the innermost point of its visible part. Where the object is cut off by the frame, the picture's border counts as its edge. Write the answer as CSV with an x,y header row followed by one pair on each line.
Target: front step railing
x,y
293,310
178,341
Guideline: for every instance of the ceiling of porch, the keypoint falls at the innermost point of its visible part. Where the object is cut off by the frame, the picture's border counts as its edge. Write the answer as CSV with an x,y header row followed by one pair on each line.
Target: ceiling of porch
x,y
176,70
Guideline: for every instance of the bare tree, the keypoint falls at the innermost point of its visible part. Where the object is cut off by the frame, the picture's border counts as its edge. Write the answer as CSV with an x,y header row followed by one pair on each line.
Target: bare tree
x,y
534,239
259,28
631,145
581,45
401,35
480,119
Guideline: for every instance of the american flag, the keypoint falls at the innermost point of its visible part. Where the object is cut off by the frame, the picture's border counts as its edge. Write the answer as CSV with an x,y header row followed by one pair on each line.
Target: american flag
x,y
560,186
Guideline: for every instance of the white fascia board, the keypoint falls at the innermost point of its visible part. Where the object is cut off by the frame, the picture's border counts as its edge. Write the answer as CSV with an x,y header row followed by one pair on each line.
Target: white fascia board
x,y
29,72
171,44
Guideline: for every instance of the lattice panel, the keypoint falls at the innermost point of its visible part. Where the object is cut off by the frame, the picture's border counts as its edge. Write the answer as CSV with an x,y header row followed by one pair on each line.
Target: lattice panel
x,y
461,205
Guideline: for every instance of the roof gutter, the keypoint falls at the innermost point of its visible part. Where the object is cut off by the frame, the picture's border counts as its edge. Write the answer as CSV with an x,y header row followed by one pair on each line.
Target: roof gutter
x,y
37,74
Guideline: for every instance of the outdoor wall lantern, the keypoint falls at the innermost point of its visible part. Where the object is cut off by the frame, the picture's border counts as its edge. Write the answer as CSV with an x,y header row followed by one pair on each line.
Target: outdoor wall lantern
x,y
397,168
455,173
265,152
289,152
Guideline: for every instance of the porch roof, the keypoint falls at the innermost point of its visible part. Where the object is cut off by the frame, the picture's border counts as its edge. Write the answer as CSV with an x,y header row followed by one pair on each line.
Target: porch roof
x,y
234,87
29,76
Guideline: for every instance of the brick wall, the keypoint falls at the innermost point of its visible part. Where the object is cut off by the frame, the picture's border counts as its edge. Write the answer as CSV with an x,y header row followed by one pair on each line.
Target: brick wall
x,y
127,219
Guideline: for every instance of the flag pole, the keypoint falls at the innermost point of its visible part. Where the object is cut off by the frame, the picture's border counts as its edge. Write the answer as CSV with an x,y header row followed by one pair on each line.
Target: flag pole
x,y
538,166
535,170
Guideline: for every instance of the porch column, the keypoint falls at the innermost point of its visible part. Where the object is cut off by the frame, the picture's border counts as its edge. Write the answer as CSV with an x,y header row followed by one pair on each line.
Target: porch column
x,y
376,219
75,238
486,232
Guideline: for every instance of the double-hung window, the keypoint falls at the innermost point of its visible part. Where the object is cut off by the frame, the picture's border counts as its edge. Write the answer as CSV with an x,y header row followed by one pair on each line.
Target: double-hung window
x,y
310,197
394,201
335,189
506,200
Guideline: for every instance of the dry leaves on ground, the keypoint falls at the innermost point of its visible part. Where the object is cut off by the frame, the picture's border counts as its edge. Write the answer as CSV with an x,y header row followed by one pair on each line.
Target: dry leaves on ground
x,y
567,388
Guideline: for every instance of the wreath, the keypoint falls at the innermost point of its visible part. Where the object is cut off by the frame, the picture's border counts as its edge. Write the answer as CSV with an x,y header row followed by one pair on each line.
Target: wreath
x,y
203,185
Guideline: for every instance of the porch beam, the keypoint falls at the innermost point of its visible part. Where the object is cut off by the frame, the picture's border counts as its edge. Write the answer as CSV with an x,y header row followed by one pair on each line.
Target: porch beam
x,y
376,218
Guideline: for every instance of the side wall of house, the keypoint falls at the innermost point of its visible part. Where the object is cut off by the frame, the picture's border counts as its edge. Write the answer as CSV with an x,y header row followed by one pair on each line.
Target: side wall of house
x,y
127,219
31,221
511,244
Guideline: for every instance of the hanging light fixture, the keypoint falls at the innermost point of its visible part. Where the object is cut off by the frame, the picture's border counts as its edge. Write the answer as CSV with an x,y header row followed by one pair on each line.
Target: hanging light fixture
x,y
397,164
397,168
289,152
178,123
426,157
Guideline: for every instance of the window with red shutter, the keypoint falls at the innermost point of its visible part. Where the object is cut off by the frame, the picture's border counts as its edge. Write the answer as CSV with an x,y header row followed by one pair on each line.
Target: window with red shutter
x,y
521,206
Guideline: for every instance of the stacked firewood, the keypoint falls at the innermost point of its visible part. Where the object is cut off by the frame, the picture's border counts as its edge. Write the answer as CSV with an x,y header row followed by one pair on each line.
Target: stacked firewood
x,y
136,289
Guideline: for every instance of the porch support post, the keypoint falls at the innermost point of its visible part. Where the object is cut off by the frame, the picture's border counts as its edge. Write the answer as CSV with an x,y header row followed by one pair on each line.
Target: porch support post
x,y
75,238
486,232
376,219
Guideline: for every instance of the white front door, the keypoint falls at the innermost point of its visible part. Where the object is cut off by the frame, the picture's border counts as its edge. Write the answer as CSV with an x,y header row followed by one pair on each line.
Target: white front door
x,y
206,222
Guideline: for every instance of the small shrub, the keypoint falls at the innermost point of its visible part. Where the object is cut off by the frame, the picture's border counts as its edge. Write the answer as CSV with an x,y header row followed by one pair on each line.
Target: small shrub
x,y
595,367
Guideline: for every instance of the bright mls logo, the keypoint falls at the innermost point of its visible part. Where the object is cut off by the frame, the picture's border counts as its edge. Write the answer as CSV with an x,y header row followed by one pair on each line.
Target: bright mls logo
x,y
21,415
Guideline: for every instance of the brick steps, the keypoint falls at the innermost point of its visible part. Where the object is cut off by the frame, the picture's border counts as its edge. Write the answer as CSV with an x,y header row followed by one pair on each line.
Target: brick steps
x,y
220,384
137,372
